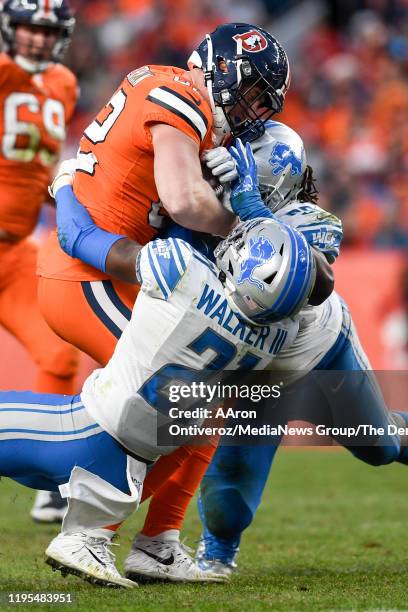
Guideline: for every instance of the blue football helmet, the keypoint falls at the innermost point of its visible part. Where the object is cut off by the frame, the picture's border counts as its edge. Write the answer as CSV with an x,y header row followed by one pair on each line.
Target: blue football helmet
x,y
243,64
54,14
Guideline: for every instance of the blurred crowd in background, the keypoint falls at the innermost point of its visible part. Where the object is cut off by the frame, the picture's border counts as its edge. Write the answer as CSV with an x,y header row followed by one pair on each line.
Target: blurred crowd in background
x,y
348,98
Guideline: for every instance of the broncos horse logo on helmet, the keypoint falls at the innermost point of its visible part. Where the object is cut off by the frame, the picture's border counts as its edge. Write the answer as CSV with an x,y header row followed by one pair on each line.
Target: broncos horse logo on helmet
x,y
282,155
260,251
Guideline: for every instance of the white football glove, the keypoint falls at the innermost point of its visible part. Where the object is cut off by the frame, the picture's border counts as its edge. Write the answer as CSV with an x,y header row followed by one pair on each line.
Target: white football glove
x,y
64,176
221,163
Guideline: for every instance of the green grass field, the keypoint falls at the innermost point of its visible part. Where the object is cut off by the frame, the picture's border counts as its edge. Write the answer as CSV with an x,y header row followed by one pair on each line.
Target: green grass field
x,y
331,534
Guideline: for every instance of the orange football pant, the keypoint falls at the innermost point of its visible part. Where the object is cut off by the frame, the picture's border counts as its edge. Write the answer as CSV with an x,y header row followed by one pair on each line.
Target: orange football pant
x,y
89,315
20,314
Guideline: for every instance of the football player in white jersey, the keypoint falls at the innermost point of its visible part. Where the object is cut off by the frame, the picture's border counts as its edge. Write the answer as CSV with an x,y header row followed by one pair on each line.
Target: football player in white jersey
x,y
327,340
190,316
76,227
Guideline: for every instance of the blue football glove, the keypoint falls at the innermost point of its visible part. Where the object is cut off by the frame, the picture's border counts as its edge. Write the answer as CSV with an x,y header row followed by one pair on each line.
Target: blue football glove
x,y
77,233
246,201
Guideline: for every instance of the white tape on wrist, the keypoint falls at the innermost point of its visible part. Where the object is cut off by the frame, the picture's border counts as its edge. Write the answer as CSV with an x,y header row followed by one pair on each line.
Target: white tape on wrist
x,y
60,181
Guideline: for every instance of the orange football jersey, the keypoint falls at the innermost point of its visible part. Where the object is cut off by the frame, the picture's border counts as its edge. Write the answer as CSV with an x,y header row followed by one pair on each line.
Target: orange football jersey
x,y
34,110
115,178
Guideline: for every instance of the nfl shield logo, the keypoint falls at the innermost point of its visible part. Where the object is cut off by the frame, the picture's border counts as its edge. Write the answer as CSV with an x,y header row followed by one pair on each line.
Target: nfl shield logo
x,y
252,41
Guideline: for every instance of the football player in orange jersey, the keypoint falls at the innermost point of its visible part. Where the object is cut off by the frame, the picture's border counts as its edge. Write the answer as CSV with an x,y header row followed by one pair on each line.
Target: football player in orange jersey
x,y
138,162
37,99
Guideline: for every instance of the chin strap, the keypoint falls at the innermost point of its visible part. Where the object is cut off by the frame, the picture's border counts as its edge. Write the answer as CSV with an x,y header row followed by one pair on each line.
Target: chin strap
x,y
208,72
30,66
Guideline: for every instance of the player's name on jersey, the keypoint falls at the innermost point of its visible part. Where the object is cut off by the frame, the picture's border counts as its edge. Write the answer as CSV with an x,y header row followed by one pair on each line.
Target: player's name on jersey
x,y
216,307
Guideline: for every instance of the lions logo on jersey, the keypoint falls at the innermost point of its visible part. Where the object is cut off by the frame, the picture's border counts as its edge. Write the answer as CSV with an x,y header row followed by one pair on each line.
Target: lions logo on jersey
x,y
282,155
252,41
260,251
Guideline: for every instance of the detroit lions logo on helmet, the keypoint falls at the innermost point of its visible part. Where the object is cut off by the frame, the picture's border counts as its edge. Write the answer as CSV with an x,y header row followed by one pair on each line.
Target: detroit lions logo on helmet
x,y
282,155
252,41
260,251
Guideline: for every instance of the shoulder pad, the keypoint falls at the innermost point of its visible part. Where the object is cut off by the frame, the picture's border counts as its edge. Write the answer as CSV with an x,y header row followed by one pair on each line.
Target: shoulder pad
x,y
183,104
321,228
161,265
64,73
6,67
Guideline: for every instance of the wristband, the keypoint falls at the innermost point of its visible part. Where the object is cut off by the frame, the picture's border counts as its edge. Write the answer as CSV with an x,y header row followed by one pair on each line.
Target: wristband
x,y
249,205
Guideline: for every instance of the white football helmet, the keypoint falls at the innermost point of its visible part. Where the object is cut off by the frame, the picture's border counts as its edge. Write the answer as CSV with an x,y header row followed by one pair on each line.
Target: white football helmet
x,y
269,270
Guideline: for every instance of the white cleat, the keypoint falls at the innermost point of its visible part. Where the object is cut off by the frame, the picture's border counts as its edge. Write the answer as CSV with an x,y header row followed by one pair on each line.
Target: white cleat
x,y
49,507
86,556
164,557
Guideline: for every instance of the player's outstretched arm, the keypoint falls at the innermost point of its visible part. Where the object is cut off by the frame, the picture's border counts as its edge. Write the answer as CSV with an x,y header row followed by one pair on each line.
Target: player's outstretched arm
x,y
80,237
186,196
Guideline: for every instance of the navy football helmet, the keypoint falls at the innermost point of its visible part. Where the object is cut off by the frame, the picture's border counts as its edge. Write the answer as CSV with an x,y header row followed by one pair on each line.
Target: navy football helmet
x,y
244,68
54,14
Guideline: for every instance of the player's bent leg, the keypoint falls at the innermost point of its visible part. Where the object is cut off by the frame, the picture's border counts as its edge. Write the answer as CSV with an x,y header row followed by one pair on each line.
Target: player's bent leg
x,y
165,512
359,400
102,309
50,440
89,315
21,316
56,360
99,494
157,553
96,498
83,546
231,492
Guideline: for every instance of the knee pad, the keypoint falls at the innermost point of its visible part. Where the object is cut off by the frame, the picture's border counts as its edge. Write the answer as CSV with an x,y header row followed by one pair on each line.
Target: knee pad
x,y
225,511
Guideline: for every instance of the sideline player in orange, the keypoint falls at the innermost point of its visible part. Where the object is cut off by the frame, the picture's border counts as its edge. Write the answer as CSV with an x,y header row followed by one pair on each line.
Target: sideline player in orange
x,y
37,99
140,154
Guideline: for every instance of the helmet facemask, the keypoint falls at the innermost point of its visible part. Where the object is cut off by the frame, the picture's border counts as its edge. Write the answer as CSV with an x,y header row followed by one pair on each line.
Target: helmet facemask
x,y
246,84
251,103
274,197
268,270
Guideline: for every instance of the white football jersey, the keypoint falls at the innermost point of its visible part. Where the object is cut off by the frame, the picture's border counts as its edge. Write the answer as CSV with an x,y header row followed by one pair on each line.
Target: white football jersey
x,y
319,326
181,318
